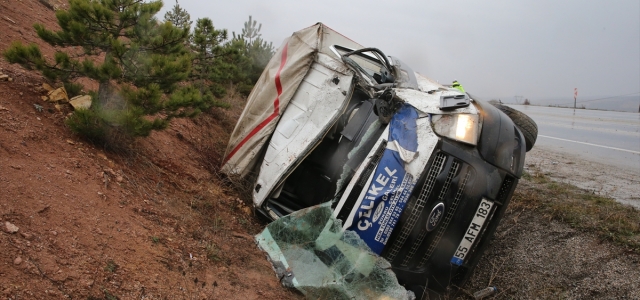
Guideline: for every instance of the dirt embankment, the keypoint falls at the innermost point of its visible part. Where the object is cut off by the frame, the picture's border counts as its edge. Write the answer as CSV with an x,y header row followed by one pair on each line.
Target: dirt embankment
x,y
152,223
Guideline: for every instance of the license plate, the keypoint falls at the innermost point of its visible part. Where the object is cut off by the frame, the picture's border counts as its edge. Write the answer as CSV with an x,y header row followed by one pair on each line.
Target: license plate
x,y
482,214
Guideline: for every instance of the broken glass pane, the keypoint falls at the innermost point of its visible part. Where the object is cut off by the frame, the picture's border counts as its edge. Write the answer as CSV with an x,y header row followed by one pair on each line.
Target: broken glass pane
x,y
310,252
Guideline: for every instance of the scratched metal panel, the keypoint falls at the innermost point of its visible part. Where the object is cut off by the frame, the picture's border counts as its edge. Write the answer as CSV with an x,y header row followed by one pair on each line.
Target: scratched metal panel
x,y
312,111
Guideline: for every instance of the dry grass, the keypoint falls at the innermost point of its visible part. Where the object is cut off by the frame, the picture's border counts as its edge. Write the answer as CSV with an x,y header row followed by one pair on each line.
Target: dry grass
x,y
580,209
210,146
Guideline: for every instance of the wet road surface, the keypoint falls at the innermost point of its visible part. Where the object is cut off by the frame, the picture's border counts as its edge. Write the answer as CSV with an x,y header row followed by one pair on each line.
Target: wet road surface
x,y
608,137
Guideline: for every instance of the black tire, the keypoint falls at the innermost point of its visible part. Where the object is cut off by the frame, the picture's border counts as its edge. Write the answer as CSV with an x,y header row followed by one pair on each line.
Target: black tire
x,y
527,126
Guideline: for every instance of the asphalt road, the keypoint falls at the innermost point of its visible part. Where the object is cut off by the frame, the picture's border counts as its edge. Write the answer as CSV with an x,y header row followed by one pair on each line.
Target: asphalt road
x,y
607,137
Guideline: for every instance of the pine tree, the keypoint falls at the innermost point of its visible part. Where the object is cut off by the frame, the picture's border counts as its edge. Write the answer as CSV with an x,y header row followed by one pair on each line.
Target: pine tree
x,y
251,30
178,17
217,61
257,50
140,64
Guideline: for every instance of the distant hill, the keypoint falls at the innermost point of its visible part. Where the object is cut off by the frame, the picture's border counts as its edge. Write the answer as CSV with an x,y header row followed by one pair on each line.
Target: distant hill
x,y
624,103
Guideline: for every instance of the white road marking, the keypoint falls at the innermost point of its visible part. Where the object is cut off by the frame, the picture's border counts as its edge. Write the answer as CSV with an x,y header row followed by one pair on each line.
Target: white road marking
x,y
590,144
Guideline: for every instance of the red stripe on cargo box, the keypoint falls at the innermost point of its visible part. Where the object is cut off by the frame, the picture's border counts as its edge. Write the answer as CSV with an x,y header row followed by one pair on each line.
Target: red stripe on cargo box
x,y
276,107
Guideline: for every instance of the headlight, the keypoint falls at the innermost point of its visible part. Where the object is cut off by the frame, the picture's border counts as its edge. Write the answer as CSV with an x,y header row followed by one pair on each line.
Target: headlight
x,y
459,127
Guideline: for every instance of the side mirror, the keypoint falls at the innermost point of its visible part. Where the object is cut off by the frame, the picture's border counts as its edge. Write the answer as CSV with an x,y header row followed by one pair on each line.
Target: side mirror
x,y
452,102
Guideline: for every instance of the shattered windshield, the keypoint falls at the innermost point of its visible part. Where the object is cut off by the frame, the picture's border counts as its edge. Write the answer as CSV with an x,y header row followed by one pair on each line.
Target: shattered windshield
x,y
311,252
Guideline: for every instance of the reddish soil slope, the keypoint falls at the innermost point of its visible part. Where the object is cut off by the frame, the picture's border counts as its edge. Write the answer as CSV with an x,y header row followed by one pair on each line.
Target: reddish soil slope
x,y
154,222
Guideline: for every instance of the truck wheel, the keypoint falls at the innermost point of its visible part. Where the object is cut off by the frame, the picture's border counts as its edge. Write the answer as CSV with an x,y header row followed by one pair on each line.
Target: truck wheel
x,y
527,126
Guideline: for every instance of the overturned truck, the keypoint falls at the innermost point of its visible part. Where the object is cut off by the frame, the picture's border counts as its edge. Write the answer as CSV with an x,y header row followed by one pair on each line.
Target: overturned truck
x,y
420,171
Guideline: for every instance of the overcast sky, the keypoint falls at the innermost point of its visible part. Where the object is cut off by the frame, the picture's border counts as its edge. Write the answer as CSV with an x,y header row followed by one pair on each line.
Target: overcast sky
x,y
537,49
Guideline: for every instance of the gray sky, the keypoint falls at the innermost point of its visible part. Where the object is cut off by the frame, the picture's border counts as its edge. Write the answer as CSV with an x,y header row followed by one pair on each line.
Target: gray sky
x,y
537,49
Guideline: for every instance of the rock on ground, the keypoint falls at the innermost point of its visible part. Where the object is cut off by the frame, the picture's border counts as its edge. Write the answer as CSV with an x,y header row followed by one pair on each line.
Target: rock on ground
x,y
10,228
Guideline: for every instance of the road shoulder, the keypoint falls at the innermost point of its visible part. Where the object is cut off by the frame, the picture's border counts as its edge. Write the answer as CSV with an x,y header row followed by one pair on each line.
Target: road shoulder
x,y
598,178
